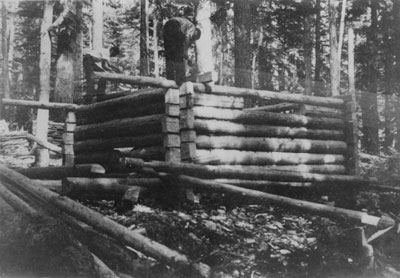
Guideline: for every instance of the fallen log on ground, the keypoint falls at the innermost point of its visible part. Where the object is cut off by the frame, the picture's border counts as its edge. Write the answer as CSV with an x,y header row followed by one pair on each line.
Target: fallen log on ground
x,y
60,172
239,172
318,209
104,224
25,135
105,188
53,185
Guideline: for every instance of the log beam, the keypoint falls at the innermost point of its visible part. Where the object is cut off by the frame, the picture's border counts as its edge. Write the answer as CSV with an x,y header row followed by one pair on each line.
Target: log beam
x,y
41,105
57,173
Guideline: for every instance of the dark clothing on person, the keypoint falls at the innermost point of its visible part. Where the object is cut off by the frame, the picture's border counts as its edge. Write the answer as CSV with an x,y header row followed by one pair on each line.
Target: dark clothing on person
x,y
179,34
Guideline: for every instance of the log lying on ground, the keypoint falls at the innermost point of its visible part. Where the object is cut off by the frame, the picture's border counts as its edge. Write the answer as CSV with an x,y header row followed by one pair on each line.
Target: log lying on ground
x,y
104,224
319,209
28,136
120,127
122,113
224,90
265,185
270,144
218,127
266,118
140,141
244,172
233,157
57,173
105,188
53,185
116,255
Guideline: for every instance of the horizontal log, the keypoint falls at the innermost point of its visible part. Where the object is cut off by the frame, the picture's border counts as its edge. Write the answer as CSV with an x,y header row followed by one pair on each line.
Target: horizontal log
x,y
200,99
149,153
105,188
224,90
122,113
53,185
280,107
315,111
119,127
41,105
228,128
60,172
142,141
268,158
103,224
266,118
239,172
303,168
265,185
100,157
270,144
139,97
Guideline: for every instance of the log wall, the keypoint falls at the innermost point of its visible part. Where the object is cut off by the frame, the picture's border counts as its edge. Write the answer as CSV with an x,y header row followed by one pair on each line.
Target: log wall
x,y
210,125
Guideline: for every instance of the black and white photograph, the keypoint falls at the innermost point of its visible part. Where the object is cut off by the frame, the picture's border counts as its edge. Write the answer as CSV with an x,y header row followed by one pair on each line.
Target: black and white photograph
x,y
200,138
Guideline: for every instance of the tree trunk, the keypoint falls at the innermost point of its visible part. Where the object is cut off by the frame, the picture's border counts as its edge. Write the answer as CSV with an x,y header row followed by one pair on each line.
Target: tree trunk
x,y
318,83
204,44
11,37
97,29
42,156
334,69
369,104
4,51
308,49
78,54
242,50
155,47
144,37
341,36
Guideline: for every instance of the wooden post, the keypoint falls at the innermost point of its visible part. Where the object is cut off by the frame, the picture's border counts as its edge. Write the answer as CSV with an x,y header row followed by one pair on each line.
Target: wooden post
x,y
68,140
170,127
351,136
187,133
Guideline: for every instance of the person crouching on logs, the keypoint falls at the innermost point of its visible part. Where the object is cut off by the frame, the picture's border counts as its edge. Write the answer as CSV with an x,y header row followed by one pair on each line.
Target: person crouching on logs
x,y
179,34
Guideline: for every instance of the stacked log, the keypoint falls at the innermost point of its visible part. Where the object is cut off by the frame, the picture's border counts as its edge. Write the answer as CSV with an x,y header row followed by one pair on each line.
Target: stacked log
x,y
133,122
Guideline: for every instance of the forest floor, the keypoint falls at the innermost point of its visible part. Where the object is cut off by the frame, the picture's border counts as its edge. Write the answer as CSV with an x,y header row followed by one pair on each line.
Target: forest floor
x,y
235,237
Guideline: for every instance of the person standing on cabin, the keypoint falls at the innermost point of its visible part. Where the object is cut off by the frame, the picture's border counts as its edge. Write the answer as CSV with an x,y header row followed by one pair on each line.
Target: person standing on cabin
x,y
179,34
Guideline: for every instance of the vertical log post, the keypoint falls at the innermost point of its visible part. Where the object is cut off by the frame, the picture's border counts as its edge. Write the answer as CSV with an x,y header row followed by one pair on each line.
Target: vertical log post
x,y
187,132
170,127
68,139
351,136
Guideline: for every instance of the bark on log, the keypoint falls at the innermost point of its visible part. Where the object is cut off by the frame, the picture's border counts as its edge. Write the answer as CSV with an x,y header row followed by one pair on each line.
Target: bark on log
x,y
122,113
265,185
224,90
268,158
281,107
53,185
56,173
270,144
266,118
228,128
104,224
315,111
319,209
200,99
119,127
142,141
102,269
103,158
137,99
105,188
41,105
244,172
